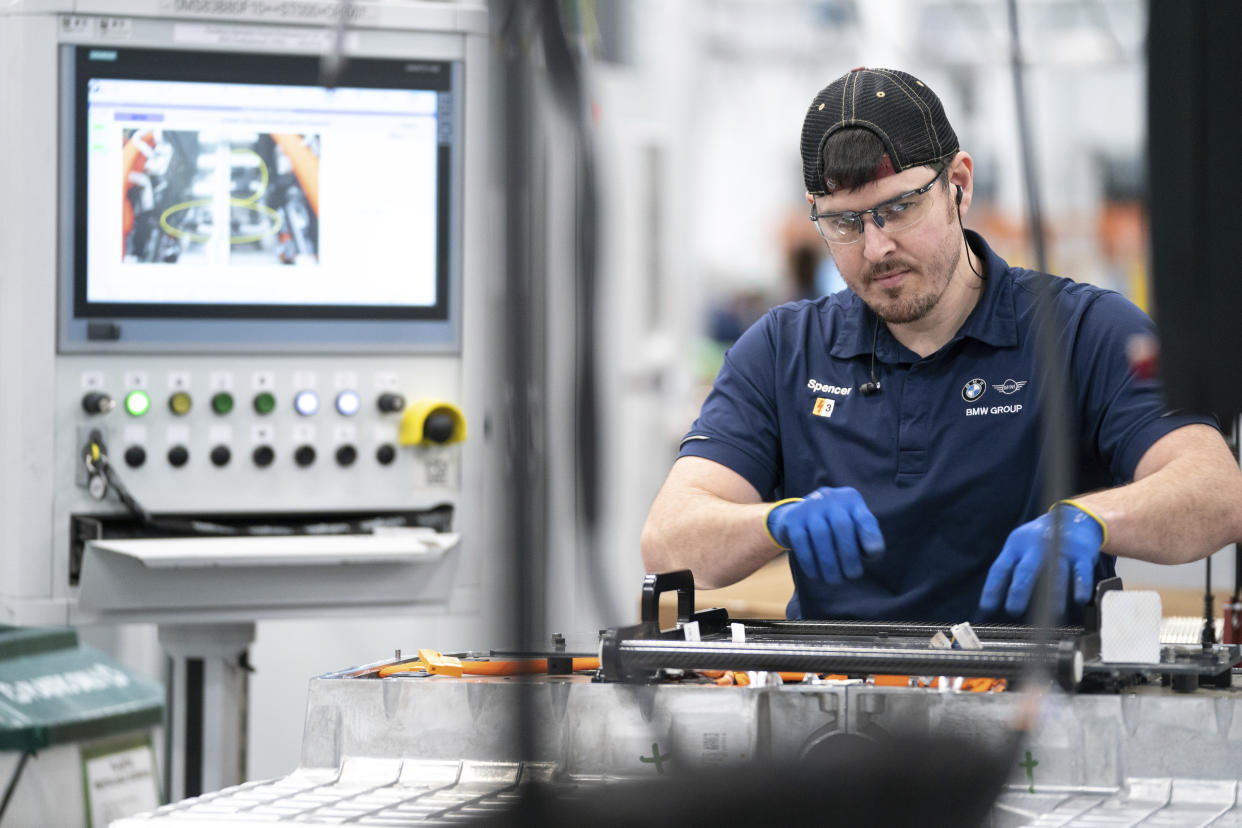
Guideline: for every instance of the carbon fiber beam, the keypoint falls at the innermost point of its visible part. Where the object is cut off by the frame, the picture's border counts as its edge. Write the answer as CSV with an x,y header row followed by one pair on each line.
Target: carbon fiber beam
x,y
876,629
635,659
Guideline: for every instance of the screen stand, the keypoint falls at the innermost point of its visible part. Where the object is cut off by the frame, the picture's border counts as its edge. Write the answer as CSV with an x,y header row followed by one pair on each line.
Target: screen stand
x,y
205,734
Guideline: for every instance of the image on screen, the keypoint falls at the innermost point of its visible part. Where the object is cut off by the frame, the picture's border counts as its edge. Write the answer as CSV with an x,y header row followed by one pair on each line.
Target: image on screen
x,y
180,187
210,189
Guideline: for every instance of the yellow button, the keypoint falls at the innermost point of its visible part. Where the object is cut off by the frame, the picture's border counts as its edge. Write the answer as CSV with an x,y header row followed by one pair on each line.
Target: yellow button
x,y
179,403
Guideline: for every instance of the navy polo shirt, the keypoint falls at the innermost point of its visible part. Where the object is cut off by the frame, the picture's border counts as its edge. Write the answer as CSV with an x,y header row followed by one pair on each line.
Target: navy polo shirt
x,y
948,454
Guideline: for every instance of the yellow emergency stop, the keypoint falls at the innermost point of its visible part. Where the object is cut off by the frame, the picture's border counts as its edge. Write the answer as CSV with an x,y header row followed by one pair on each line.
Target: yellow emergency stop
x,y
431,422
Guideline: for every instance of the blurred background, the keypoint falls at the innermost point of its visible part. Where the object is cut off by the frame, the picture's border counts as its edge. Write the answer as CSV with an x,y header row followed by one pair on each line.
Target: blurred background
x,y
640,206
695,109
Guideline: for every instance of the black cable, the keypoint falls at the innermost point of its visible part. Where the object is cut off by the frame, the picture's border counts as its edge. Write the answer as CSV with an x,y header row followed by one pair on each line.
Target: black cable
x,y
525,494
332,64
1237,572
1235,445
969,260
12,786
568,85
1035,219
872,387
104,467
1055,408
1208,637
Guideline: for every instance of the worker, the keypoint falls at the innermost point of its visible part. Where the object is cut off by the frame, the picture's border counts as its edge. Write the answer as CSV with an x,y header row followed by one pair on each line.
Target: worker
x,y
889,435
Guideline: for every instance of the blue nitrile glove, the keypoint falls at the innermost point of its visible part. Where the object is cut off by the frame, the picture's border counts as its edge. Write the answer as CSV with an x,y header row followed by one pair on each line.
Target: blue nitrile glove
x,y
1083,534
829,532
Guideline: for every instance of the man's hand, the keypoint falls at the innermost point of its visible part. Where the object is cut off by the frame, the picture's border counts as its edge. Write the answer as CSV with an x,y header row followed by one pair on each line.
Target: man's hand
x,y
1082,537
829,532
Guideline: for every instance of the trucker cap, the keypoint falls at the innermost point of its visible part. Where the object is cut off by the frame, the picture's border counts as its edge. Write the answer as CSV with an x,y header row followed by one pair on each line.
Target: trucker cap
x,y
897,107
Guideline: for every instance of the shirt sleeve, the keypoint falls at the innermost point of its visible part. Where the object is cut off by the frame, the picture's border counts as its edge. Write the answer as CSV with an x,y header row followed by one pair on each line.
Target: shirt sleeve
x,y
737,426
1124,414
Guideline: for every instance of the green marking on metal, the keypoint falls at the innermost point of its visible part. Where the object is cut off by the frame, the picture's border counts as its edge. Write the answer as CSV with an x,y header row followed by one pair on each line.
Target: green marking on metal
x,y
655,758
1029,765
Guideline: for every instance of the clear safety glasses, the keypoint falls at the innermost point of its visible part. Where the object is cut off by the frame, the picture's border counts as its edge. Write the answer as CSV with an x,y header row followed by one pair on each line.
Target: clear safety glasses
x,y
893,216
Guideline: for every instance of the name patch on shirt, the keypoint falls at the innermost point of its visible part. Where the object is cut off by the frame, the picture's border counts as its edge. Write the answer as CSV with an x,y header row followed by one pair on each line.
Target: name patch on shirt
x,y
821,388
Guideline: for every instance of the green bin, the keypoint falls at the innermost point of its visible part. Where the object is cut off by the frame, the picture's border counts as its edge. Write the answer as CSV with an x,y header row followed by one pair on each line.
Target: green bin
x,y
76,745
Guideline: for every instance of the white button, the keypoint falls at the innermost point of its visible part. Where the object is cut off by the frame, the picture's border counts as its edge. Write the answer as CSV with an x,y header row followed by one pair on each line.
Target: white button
x,y
306,403
348,403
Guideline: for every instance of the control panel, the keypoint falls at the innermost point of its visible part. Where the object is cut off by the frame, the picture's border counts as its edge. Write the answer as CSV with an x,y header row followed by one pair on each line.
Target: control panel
x,y
243,314
243,435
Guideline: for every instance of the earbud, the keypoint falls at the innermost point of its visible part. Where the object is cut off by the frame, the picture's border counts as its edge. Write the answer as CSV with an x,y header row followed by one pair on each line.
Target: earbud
x,y
959,195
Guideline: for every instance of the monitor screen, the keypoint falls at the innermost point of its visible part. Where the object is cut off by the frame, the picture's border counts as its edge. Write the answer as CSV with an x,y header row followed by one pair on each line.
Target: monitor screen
x,y
226,186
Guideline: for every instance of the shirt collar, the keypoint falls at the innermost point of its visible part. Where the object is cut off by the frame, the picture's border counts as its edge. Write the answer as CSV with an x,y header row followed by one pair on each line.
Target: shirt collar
x,y
992,321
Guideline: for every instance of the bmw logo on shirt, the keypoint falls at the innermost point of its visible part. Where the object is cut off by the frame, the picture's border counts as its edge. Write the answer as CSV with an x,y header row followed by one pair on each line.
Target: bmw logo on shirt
x,y
974,389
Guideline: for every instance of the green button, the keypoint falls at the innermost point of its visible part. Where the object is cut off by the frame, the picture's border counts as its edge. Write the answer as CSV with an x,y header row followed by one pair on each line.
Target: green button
x,y
264,403
137,403
222,403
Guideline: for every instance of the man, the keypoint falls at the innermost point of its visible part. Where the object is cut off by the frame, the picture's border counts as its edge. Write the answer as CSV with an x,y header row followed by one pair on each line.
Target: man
x,y
889,435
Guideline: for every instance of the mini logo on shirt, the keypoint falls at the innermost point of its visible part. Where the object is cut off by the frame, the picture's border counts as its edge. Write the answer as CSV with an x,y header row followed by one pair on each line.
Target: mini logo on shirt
x,y
1010,386
823,406
974,389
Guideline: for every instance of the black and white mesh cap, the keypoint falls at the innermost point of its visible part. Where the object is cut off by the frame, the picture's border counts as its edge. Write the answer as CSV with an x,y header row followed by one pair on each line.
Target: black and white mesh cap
x,y
902,112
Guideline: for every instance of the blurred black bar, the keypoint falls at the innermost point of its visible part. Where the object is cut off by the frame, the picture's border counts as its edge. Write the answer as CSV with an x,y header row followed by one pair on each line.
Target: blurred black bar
x,y
1195,171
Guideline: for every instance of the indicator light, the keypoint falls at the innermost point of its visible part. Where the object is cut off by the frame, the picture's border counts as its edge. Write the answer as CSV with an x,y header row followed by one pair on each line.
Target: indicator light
x,y
306,403
179,403
264,403
222,403
137,403
348,403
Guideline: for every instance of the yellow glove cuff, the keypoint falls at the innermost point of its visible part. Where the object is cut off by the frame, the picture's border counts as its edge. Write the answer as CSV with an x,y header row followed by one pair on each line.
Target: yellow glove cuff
x,y
768,514
1077,505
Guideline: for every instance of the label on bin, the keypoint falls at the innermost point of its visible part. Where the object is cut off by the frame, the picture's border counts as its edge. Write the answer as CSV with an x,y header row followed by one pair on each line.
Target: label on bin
x,y
120,780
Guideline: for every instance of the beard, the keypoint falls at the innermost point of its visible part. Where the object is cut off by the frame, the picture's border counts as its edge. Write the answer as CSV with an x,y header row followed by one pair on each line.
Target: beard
x,y
911,301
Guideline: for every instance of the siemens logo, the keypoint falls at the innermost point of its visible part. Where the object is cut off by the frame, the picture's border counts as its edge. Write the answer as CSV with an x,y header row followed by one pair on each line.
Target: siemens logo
x,y
819,388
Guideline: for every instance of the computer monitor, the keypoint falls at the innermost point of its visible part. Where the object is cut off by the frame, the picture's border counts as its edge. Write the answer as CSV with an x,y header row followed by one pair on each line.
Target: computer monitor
x,y
219,200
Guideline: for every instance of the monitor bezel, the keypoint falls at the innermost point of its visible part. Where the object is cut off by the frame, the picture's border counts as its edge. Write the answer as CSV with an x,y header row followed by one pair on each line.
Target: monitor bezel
x,y
261,327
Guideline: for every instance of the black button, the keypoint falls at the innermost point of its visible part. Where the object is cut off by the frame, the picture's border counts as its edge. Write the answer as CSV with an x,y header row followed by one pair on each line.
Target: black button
x,y
386,454
304,455
438,427
346,455
390,403
220,455
135,456
178,456
263,455
97,402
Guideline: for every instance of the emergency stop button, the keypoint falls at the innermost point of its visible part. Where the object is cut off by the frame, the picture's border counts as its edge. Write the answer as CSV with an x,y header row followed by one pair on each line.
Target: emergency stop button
x,y
432,422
